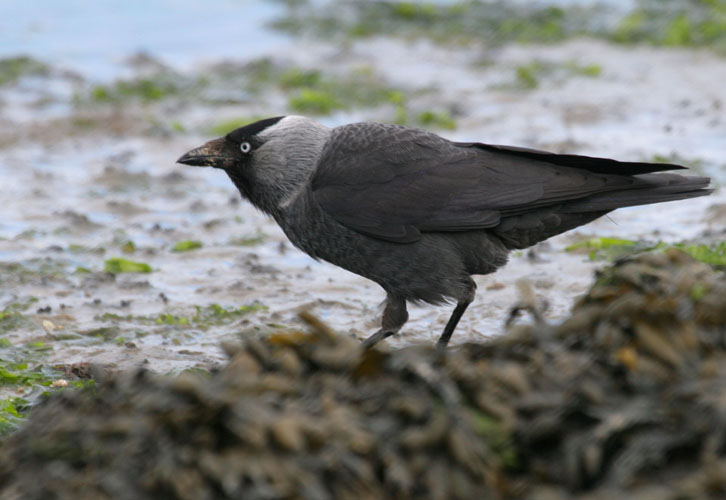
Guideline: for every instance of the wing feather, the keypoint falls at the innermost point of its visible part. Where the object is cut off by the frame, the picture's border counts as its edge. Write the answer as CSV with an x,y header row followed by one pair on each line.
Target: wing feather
x,y
394,183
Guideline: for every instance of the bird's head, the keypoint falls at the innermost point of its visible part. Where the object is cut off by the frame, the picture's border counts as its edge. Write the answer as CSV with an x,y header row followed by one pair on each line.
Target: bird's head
x,y
268,160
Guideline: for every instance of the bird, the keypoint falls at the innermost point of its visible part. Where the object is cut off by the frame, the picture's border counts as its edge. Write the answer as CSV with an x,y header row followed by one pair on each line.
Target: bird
x,y
417,213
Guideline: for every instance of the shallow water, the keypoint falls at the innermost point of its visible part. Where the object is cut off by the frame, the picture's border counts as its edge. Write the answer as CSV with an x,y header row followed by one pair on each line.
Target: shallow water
x,y
95,37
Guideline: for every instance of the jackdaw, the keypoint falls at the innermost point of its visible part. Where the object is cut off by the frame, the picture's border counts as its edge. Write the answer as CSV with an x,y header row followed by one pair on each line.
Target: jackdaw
x,y
417,213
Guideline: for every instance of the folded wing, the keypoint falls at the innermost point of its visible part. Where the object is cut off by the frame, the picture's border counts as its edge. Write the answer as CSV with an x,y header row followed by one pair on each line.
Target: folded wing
x,y
394,183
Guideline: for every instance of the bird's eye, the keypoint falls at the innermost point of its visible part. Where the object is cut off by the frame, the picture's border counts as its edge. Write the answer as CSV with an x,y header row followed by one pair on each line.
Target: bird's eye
x,y
245,147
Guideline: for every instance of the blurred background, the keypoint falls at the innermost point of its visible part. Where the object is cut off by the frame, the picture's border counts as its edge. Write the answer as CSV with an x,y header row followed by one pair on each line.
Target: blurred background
x,y
110,253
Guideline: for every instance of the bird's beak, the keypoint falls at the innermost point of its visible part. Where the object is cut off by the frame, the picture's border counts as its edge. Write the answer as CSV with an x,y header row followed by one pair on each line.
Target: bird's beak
x,y
216,153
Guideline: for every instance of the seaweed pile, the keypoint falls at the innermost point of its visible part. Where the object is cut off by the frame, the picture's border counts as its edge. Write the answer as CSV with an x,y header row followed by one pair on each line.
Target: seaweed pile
x,y
625,399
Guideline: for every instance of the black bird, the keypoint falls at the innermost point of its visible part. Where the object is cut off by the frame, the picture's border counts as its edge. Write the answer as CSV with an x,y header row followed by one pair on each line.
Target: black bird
x,y
417,213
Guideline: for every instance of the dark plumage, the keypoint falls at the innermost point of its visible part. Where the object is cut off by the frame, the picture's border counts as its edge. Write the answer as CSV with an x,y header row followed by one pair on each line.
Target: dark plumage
x,y
419,214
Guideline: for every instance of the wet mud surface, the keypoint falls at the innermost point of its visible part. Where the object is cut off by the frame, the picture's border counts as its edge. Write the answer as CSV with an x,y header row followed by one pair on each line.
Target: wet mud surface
x,y
100,183
622,399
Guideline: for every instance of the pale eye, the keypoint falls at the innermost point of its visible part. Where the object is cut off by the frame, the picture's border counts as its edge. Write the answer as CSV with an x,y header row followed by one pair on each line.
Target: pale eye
x,y
245,147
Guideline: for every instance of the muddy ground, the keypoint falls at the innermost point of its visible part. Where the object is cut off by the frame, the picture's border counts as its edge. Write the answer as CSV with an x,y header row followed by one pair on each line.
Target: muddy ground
x,y
88,176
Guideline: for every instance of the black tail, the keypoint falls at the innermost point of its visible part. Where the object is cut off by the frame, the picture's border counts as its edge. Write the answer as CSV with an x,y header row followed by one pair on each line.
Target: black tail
x,y
650,188
646,189
525,230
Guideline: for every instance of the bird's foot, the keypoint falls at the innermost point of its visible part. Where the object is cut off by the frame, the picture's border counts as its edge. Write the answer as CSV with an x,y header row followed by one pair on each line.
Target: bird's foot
x,y
528,302
375,338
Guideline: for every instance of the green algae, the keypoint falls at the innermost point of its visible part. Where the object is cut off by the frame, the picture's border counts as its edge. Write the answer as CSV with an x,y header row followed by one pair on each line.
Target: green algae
x,y
202,318
13,69
295,78
248,241
170,319
436,119
459,21
610,249
13,316
326,94
529,76
670,23
119,265
186,246
12,413
215,314
128,247
312,101
143,89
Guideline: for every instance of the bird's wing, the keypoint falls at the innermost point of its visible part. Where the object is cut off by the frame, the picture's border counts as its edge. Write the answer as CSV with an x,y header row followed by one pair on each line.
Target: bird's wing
x,y
394,183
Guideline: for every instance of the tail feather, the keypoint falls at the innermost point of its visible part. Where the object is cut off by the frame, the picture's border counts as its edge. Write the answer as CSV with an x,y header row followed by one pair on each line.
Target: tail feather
x,y
652,188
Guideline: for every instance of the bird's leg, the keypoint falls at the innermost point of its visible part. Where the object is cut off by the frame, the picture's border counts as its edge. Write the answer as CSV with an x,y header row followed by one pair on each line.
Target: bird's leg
x,y
394,316
457,314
